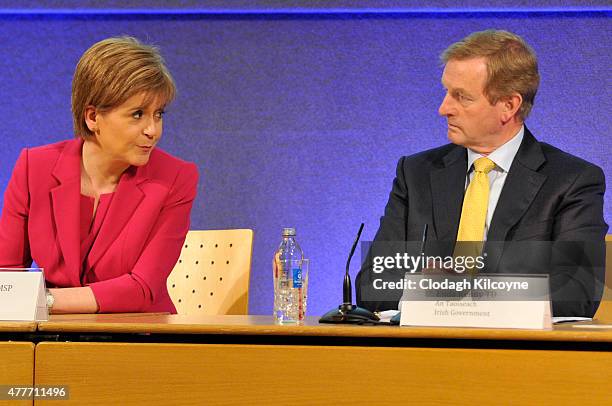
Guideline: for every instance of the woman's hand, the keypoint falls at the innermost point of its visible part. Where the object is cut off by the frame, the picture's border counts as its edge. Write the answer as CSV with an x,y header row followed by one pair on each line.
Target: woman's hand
x,y
73,300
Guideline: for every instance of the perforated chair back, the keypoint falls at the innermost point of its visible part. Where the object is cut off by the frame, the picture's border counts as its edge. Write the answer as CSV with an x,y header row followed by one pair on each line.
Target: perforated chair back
x,y
212,273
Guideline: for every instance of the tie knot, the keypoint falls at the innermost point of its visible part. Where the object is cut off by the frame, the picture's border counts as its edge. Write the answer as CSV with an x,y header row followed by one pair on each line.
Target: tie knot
x,y
483,165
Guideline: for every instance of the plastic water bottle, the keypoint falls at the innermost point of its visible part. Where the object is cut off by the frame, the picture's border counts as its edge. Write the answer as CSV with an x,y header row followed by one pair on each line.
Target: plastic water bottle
x,y
286,300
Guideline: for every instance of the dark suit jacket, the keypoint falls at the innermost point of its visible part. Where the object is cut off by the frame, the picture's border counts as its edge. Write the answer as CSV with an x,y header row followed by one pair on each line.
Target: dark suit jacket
x,y
548,195
138,244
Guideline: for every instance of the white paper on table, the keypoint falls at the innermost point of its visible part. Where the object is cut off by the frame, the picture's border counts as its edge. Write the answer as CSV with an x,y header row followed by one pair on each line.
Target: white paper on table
x,y
385,316
557,320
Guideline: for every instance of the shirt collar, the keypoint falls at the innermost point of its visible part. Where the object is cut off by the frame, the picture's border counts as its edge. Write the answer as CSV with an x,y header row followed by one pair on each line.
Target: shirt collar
x,y
502,156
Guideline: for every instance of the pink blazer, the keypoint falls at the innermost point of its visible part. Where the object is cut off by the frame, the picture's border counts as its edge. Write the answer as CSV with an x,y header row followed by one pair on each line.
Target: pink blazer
x,y
138,244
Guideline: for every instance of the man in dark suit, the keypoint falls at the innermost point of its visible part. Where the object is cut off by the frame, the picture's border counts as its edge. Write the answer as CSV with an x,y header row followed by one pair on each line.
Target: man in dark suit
x,y
524,190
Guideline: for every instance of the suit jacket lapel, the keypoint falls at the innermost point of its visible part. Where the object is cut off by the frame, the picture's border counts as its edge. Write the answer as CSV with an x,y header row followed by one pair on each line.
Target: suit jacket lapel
x,y
447,188
521,187
66,206
128,196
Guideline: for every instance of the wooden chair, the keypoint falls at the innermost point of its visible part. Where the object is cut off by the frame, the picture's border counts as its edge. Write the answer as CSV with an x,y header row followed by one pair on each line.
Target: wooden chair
x,y
604,313
212,273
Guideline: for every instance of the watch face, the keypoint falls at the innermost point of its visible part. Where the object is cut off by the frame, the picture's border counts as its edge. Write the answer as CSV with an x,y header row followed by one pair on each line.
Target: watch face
x,y
50,300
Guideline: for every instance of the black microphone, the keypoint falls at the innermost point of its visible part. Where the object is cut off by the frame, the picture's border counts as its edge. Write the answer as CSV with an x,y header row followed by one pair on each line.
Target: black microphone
x,y
423,241
395,320
347,312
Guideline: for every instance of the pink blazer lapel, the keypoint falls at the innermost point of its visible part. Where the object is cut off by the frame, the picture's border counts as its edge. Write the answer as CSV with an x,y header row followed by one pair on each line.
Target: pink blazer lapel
x,y
65,198
66,208
128,196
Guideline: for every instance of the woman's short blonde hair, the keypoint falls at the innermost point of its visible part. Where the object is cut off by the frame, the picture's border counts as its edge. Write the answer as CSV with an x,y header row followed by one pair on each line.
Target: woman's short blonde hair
x,y
112,71
512,66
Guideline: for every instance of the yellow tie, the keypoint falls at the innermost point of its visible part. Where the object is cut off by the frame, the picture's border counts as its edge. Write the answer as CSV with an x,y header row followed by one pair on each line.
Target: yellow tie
x,y
475,203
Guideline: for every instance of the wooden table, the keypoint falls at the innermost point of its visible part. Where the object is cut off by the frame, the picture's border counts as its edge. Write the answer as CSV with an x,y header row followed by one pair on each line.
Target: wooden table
x,y
16,359
170,359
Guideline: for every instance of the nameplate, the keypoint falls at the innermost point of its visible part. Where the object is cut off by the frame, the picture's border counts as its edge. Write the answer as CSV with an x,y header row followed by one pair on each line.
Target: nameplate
x,y
487,301
22,295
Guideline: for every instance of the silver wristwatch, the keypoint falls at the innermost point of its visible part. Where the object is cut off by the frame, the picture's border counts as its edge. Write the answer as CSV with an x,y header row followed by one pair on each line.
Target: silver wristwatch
x,y
50,300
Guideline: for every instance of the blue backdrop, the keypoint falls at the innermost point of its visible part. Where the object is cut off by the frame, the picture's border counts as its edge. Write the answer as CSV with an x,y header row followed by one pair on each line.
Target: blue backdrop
x,y
297,114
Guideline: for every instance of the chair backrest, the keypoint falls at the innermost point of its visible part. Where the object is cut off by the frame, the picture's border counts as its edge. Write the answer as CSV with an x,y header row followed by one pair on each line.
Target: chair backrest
x,y
212,273
604,313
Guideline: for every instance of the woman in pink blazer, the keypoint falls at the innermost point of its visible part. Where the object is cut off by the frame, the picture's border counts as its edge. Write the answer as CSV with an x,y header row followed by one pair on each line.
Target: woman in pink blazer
x,y
104,214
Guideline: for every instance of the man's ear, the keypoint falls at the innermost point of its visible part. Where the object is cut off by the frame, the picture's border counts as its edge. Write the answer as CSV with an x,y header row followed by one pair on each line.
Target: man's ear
x,y
91,118
511,106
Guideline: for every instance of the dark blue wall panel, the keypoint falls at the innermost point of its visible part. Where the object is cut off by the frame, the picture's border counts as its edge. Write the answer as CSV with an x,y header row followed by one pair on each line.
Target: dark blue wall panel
x,y
299,119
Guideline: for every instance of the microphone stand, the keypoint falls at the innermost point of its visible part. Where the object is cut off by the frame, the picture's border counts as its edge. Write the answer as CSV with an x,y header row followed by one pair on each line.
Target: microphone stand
x,y
347,312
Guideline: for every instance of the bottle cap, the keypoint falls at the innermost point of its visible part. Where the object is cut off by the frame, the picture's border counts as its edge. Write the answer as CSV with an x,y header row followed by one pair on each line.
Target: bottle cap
x,y
289,232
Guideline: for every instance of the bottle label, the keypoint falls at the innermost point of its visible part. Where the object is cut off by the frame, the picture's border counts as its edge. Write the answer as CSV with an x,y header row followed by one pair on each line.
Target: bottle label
x,y
283,278
297,277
